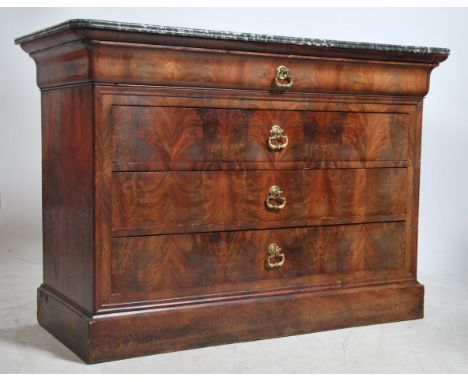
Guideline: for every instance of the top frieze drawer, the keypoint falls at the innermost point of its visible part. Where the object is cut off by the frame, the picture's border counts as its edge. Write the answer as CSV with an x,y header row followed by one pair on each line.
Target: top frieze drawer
x,y
119,63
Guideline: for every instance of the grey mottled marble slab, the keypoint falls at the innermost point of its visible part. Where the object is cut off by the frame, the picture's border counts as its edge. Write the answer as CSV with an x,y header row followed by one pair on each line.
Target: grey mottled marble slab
x,y
205,33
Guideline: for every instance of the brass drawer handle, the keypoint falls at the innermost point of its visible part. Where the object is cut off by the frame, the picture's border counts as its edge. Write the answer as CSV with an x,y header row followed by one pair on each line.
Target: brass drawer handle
x,y
275,201
283,78
276,140
275,257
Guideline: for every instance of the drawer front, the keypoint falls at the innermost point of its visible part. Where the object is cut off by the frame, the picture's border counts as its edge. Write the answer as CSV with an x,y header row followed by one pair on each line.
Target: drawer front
x,y
191,201
221,69
166,136
167,266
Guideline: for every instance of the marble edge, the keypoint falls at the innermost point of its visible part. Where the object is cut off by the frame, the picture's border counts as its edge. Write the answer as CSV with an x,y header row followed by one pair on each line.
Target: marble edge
x,y
225,35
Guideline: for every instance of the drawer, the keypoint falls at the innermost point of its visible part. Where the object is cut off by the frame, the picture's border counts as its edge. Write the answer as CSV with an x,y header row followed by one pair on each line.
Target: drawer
x,y
194,201
168,266
248,70
182,137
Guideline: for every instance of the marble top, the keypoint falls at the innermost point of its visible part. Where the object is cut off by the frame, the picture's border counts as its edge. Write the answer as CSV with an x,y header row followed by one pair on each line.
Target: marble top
x,y
222,35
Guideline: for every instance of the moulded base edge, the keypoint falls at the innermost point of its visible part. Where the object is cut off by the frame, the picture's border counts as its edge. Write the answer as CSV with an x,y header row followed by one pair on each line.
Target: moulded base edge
x,y
107,337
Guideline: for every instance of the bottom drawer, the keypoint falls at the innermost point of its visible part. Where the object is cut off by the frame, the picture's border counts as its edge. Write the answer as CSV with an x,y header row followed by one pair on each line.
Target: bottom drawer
x,y
183,265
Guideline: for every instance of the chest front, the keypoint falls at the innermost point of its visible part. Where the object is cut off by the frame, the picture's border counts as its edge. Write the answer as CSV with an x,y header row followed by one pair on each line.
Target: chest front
x,y
199,191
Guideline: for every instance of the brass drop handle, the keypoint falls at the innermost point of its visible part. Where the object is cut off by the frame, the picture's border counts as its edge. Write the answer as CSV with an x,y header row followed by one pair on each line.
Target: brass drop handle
x,y
283,78
276,140
275,257
275,201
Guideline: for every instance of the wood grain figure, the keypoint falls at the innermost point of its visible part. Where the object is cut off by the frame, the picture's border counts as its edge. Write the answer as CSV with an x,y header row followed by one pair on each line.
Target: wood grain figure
x,y
203,188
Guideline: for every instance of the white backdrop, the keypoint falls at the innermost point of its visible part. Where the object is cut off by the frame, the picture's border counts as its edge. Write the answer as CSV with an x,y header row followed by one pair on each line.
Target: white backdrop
x,y
443,235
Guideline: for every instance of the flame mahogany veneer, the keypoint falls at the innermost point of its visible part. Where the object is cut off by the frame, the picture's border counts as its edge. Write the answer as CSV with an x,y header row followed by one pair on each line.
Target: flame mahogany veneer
x,y
157,167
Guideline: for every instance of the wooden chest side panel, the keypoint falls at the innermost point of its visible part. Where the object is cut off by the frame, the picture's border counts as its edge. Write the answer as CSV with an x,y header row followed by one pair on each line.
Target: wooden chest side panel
x,y
183,265
191,201
171,135
67,192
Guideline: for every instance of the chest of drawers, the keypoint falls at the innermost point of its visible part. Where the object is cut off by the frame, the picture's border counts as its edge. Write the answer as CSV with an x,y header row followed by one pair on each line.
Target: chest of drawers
x,y
202,188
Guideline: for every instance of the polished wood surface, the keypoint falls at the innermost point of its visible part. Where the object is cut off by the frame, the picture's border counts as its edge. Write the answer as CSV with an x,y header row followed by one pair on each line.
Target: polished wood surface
x,y
186,201
67,193
367,132
156,169
109,337
211,68
107,62
170,135
185,265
